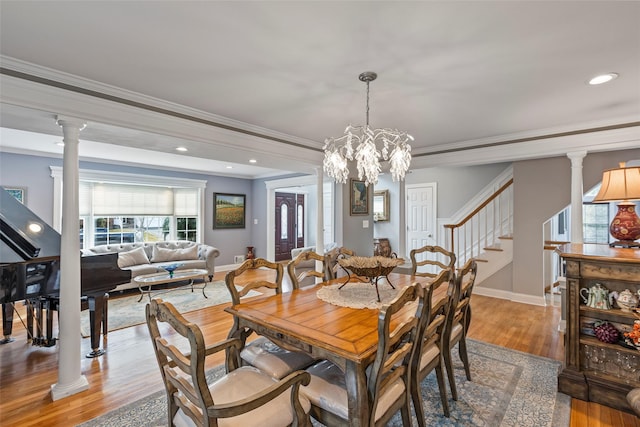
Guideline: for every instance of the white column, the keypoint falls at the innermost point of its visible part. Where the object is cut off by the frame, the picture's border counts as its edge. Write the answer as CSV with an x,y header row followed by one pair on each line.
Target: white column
x,y
70,380
319,216
576,195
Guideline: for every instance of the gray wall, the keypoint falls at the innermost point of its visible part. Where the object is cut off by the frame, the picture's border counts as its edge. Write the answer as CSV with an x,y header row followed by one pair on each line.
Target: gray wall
x,y
541,189
33,173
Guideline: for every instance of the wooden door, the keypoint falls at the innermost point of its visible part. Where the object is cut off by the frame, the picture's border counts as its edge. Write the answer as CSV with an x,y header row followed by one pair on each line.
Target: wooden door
x,y
285,218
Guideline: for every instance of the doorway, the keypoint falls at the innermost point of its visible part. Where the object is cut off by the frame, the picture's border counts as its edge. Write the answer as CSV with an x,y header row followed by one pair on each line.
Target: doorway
x,y
289,230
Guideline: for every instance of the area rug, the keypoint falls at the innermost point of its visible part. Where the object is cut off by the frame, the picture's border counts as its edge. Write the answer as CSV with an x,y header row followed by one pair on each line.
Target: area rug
x,y
126,311
509,388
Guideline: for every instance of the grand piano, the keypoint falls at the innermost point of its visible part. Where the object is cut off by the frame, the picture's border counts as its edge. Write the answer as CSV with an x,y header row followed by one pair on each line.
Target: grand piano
x,y
30,272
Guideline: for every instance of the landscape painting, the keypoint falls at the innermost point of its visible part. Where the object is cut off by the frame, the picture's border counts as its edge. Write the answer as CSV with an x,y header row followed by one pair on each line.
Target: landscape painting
x,y
228,210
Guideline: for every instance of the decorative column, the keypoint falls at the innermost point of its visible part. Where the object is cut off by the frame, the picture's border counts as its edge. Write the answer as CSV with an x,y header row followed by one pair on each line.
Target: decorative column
x,y
70,380
576,195
319,217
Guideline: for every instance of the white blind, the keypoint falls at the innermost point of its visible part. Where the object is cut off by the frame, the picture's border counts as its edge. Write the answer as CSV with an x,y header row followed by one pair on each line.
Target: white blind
x,y
186,202
84,194
118,199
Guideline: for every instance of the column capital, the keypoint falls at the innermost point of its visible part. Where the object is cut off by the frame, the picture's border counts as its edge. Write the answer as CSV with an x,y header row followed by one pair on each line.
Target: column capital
x,y
576,155
68,121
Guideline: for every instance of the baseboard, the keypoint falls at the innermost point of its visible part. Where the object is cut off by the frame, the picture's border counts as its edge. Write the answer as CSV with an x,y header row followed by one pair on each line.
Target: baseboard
x,y
511,296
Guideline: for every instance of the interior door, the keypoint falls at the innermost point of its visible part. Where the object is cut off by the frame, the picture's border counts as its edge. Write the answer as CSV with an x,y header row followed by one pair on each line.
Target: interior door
x,y
421,216
285,218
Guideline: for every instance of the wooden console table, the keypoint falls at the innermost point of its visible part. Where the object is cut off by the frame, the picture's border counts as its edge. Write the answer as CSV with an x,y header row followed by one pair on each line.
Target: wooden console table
x,y
582,377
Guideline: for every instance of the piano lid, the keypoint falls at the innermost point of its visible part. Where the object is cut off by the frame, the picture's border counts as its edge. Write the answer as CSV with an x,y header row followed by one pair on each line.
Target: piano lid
x,y
23,235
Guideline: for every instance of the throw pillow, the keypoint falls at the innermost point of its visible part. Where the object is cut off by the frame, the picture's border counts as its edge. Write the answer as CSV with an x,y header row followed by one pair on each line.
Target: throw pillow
x,y
163,255
135,257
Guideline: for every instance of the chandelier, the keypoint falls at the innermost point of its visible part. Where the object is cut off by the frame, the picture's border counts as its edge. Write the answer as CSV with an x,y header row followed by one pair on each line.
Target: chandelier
x,y
393,144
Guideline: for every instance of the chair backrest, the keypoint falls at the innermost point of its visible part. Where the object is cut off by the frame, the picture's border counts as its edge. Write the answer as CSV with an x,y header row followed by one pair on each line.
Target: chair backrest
x,y
182,371
253,264
308,257
397,333
431,328
431,256
465,279
333,256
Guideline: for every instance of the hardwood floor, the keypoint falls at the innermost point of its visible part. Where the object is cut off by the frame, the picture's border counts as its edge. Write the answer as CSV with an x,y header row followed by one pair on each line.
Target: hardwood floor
x,y
128,371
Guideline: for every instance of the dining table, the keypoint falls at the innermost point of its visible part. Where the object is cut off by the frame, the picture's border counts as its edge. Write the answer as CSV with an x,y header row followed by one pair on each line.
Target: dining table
x,y
299,320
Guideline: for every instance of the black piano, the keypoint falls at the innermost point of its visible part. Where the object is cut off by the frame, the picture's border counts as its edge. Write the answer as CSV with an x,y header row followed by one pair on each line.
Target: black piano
x,y
30,272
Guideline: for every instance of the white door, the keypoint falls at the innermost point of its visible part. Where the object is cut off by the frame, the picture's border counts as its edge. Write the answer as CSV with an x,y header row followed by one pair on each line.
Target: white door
x,y
421,215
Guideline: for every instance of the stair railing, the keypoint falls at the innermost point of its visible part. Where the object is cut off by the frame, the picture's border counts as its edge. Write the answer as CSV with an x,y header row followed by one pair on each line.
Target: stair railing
x,y
484,226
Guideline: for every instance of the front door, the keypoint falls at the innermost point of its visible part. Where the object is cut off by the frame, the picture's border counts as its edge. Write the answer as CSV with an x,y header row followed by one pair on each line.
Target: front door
x,y
285,225
421,216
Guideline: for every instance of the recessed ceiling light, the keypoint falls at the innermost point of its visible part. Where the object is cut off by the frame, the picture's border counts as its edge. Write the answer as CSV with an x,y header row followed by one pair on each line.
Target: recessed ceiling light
x,y
253,161
181,149
229,167
603,78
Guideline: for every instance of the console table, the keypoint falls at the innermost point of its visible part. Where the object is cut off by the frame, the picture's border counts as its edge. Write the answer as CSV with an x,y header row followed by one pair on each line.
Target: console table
x,y
592,369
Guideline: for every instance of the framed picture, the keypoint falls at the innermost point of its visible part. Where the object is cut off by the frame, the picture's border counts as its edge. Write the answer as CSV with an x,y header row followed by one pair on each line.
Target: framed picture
x,y
19,193
228,210
359,199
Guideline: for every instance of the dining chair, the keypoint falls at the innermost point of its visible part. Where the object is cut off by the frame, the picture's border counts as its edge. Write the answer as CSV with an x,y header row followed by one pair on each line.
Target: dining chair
x,y
436,258
244,396
261,352
428,353
332,261
302,269
458,323
387,376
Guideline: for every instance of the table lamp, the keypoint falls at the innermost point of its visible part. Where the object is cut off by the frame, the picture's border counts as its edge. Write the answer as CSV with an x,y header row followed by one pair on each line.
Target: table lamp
x,y
622,185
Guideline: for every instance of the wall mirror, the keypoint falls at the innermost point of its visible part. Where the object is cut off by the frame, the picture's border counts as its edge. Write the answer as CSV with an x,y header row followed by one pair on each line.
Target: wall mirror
x,y
381,205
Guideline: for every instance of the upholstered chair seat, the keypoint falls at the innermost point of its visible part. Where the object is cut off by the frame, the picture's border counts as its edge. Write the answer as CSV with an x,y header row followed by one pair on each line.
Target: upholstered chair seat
x,y
327,390
272,359
241,384
633,397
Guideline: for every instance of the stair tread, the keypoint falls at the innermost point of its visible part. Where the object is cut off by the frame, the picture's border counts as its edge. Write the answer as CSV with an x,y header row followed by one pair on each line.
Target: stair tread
x,y
506,237
494,248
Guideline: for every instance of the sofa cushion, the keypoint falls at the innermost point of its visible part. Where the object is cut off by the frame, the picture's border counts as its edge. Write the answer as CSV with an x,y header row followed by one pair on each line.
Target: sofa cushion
x,y
164,255
135,257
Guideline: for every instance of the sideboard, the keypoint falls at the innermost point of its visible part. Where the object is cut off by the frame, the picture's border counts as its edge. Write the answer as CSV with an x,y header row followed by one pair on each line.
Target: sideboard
x,y
594,370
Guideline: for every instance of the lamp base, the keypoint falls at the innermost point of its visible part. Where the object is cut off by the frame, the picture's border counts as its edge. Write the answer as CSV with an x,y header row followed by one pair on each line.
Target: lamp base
x,y
625,226
623,244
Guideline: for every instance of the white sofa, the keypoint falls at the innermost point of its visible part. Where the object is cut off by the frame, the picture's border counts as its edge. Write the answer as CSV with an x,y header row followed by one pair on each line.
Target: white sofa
x,y
147,257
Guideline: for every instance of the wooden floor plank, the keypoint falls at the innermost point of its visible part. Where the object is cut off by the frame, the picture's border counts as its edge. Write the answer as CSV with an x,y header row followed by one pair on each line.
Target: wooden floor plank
x,y
128,371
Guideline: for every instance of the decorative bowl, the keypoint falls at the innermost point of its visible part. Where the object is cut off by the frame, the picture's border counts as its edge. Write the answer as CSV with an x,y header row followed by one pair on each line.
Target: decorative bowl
x,y
170,268
370,267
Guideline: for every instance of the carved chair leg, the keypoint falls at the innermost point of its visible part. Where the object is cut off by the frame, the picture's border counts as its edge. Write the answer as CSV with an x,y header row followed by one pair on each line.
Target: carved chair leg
x,y
462,350
449,365
443,389
417,401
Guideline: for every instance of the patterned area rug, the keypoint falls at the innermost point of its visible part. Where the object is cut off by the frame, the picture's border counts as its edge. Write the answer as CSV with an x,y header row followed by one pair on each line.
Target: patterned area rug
x,y
509,388
126,311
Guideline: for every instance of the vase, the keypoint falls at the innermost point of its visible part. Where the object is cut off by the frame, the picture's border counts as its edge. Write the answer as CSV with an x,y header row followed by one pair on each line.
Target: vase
x,y
250,254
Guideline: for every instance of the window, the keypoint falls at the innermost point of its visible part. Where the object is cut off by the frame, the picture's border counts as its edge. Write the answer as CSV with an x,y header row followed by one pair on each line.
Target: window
x,y
595,222
121,208
284,212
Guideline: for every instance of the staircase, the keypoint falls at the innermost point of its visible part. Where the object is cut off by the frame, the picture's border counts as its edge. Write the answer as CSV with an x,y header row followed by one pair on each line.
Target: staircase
x,y
484,233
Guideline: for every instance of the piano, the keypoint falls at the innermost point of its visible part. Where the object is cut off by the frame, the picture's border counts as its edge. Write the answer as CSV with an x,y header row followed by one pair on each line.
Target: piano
x,y
30,271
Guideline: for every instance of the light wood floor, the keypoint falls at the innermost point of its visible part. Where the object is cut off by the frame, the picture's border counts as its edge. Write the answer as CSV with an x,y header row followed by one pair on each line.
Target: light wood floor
x,y
128,371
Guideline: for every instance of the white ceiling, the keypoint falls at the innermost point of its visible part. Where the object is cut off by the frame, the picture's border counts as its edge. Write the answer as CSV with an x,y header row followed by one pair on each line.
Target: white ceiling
x,y
453,74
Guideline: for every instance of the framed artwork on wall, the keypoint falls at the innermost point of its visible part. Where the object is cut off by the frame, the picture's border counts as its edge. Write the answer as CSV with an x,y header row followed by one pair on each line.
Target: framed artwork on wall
x,y
228,210
359,199
18,192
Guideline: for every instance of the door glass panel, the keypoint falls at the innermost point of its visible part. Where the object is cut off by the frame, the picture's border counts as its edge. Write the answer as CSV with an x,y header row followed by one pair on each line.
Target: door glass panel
x,y
283,221
300,224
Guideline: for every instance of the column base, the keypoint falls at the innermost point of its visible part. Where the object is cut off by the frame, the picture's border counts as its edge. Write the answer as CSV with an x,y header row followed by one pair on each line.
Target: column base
x,y
60,391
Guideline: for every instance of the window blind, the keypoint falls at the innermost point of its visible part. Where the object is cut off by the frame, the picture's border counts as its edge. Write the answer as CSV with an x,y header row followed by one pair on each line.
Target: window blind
x,y
119,199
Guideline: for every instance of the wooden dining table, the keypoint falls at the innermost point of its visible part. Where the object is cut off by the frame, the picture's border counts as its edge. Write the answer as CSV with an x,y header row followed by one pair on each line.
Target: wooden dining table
x,y
348,337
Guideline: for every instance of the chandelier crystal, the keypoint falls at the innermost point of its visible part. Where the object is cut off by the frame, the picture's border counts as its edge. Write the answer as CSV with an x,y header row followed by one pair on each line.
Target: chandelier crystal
x,y
393,144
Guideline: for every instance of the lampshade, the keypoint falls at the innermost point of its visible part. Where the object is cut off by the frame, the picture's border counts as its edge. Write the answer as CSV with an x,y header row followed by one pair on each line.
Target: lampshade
x,y
622,185
619,185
